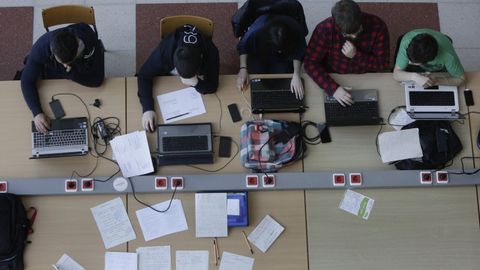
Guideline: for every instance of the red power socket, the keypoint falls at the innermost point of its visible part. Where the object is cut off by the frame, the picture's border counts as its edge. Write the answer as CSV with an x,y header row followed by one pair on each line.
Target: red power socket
x,y
71,185
356,179
268,181
3,187
87,184
442,177
338,179
176,182
251,181
426,178
160,183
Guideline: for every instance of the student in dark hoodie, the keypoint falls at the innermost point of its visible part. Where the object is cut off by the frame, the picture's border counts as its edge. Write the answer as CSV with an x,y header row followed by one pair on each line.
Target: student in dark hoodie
x,y
73,52
186,53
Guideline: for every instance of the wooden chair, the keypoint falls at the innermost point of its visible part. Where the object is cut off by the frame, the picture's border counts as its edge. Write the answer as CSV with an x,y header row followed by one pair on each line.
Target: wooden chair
x,y
171,23
68,14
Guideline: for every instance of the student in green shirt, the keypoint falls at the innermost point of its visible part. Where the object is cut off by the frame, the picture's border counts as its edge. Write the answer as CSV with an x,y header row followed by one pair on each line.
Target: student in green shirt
x,y
433,52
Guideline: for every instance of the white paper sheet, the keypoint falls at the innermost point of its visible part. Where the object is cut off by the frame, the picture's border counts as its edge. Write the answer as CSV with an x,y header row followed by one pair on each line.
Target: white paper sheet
x,y
113,223
399,145
233,207
132,153
180,104
211,215
400,118
192,259
155,224
265,233
357,204
154,258
67,263
120,261
232,261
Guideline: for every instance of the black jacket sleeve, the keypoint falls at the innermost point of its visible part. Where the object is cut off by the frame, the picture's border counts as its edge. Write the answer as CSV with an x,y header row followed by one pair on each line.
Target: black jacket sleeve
x,y
209,84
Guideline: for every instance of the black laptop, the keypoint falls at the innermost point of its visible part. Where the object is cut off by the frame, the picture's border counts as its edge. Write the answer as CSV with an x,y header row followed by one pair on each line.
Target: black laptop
x,y
274,95
363,112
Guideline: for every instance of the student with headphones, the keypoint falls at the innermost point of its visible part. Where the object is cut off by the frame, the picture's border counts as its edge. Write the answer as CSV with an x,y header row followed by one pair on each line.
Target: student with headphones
x,y
186,53
73,52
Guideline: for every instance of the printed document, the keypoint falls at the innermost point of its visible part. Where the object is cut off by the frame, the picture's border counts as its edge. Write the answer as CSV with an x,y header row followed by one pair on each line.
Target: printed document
x,y
233,207
113,223
155,224
120,261
399,145
180,104
232,261
132,153
67,263
154,258
192,259
357,204
265,233
211,215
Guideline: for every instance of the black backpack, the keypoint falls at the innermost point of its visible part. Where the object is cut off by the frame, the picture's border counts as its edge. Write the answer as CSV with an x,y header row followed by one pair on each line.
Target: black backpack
x,y
439,145
14,228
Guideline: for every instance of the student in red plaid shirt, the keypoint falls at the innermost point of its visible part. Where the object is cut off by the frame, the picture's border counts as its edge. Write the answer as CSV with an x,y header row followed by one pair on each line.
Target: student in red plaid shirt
x,y
350,41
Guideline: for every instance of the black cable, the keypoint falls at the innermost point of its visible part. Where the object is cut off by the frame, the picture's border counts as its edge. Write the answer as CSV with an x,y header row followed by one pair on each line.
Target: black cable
x,y
149,206
217,170
306,139
463,167
108,179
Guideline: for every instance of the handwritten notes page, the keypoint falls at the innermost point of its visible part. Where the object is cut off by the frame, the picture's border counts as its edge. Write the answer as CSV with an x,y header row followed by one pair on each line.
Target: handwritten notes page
x,y
180,104
265,233
154,258
232,261
120,261
192,259
132,153
211,215
67,263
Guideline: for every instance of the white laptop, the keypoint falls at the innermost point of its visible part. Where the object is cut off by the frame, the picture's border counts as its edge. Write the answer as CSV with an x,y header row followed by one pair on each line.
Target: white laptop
x,y
433,103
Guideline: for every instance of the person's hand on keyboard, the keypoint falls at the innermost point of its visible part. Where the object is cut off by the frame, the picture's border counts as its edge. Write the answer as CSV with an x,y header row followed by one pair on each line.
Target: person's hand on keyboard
x,y
424,79
242,79
148,121
343,96
42,122
190,81
296,86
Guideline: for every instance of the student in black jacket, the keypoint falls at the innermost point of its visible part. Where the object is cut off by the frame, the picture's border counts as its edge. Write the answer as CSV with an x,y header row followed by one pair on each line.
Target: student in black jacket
x,y
185,52
73,52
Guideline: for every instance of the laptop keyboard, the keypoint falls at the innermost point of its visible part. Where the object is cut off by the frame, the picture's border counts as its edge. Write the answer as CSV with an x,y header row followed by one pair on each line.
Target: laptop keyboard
x,y
185,143
275,99
58,138
360,113
432,98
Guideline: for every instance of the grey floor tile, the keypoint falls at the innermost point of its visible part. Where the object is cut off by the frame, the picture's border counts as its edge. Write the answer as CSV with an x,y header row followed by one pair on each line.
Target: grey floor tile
x,y
38,28
461,23
119,63
470,58
116,26
315,12
16,3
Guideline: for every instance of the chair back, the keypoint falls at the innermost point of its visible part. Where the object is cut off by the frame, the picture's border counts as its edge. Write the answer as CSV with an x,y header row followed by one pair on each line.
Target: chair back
x,y
67,14
171,23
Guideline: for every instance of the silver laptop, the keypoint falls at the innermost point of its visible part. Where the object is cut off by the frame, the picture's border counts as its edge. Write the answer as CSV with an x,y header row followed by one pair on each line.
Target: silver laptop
x,y
433,103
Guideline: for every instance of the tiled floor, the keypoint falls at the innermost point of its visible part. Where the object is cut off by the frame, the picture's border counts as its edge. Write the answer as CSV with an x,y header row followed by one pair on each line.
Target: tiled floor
x,y
117,19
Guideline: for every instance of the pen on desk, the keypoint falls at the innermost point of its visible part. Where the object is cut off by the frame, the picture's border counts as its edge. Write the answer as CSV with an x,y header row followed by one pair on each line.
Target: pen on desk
x,y
55,267
176,116
215,251
246,241
216,247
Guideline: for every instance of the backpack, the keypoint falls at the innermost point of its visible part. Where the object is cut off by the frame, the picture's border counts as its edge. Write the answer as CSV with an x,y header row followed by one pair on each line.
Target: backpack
x,y
268,145
439,145
14,228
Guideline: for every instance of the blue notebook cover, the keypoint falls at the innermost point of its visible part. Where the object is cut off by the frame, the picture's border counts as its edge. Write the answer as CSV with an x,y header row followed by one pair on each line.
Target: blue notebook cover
x,y
242,219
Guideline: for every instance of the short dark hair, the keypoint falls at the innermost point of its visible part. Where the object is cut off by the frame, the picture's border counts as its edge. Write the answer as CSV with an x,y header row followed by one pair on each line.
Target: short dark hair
x,y
64,46
278,35
422,49
187,59
347,16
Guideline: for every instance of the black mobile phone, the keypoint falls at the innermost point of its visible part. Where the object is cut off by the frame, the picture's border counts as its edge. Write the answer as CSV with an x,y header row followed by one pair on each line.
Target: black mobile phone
x,y
234,113
224,149
57,108
468,97
324,133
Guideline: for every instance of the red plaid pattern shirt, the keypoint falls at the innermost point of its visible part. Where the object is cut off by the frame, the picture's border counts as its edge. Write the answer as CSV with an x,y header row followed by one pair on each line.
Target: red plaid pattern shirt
x,y
324,51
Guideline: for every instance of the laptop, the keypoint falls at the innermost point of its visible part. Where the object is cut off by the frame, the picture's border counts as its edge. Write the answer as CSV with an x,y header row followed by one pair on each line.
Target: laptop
x,y
67,137
183,144
274,95
433,103
363,112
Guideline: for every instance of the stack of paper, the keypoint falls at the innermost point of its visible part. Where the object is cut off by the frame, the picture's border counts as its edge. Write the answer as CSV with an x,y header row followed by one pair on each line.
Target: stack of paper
x,y
232,261
132,153
265,233
357,204
192,260
399,145
211,215
67,263
113,223
120,261
154,258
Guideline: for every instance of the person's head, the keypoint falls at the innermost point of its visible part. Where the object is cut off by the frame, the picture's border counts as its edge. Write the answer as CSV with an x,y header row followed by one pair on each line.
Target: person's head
x,y
422,49
64,47
278,36
348,18
187,59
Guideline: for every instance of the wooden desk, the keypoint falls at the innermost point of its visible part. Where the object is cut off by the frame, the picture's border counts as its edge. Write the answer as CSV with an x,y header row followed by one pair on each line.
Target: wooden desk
x,y
421,228
287,207
65,224
473,82
16,122
216,110
353,148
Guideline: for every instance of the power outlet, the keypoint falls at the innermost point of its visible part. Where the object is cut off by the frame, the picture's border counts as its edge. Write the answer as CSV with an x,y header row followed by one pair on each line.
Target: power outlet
x,y
268,181
176,182
3,187
71,185
87,184
160,183
251,181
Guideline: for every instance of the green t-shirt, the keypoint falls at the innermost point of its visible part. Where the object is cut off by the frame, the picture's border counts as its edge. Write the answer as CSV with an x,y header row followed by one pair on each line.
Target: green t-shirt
x,y
446,58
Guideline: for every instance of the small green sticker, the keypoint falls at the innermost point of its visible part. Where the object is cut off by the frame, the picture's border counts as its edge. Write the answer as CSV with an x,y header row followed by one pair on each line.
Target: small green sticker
x,y
363,207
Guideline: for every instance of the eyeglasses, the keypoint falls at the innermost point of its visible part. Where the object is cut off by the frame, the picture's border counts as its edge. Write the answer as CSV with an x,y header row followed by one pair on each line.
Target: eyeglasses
x,y
353,35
